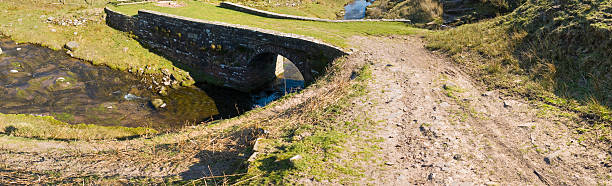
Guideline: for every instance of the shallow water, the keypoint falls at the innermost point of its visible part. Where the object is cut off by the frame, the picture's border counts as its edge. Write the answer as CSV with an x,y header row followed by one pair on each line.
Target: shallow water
x,y
39,81
356,10
288,80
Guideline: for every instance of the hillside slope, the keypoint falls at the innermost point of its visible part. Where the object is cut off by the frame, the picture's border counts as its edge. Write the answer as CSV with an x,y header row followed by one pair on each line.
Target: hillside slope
x,y
563,47
449,12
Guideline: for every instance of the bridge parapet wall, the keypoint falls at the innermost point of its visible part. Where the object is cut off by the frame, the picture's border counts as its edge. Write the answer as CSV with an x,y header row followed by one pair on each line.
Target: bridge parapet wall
x,y
221,53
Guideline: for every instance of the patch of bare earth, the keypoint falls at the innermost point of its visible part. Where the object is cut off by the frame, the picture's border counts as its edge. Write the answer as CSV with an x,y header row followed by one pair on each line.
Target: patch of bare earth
x,y
440,127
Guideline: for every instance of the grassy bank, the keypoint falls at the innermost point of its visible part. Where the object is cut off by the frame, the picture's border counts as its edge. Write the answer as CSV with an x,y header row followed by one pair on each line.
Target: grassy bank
x,y
556,53
333,33
432,14
40,22
308,140
316,141
28,126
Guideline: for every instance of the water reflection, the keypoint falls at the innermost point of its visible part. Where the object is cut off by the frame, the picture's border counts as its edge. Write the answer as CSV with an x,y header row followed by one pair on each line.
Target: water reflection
x,y
356,10
288,80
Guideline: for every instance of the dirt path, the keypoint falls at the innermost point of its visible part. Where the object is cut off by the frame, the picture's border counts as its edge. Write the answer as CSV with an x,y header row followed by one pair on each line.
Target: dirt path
x,y
440,127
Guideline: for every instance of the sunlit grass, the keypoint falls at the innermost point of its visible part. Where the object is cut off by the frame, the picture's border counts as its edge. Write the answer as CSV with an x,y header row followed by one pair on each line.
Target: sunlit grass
x,y
21,125
326,9
333,33
26,21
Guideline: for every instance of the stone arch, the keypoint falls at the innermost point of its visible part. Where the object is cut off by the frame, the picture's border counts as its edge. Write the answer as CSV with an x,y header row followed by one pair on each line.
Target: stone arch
x,y
265,67
298,58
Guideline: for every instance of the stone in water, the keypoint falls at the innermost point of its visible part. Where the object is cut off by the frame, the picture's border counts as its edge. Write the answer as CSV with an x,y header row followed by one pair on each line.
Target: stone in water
x,y
158,103
131,97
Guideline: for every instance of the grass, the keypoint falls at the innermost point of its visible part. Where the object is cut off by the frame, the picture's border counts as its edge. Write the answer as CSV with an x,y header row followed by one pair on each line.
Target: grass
x,y
21,125
326,9
320,139
334,33
554,56
27,21
317,130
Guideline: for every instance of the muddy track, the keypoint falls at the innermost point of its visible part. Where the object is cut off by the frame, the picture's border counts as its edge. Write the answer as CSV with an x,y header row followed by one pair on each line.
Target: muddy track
x,y
441,127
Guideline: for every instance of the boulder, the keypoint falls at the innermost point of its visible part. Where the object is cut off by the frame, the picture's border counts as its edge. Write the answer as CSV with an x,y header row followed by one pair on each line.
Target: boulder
x,y
131,97
158,103
253,157
258,147
510,103
295,158
71,45
554,156
449,86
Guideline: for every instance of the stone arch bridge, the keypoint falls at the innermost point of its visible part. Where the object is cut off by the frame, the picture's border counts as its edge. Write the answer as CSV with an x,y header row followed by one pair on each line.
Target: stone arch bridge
x,y
235,56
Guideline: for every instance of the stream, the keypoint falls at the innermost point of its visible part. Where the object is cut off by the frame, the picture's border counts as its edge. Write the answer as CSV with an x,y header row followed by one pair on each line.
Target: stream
x,y
39,81
356,9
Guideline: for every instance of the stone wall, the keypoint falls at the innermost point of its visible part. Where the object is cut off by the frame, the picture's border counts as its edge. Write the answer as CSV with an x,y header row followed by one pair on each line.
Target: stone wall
x,y
254,11
224,54
119,21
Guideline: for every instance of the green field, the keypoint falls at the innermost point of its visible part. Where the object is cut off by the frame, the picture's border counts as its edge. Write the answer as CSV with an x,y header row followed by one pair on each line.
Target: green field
x,y
326,9
333,33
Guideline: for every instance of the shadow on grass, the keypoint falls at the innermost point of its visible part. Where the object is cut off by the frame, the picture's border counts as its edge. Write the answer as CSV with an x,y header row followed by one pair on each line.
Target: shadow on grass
x,y
214,165
217,166
571,57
